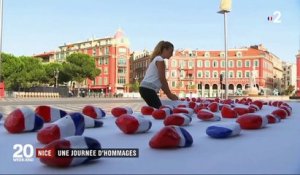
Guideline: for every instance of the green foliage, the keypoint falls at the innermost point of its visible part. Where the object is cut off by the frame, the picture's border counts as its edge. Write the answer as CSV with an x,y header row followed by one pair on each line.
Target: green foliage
x,y
135,86
25,72
289,90
21,72
80,66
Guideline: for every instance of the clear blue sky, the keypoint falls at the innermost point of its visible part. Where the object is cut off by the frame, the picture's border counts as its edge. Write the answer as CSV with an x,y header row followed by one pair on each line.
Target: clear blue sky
x,y
35,26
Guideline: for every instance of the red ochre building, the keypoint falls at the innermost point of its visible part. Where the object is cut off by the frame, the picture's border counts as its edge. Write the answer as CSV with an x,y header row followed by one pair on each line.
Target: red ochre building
x,y
188,71
198,72
111,57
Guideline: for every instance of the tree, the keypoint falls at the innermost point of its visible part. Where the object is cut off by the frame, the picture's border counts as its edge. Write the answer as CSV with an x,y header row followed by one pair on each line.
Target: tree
x,y
11,72
80,66
50,69
21,72
135,86
290,90
33,71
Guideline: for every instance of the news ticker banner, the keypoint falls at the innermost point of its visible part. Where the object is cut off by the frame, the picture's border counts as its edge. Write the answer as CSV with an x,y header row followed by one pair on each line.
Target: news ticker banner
x,y
104,152
27,153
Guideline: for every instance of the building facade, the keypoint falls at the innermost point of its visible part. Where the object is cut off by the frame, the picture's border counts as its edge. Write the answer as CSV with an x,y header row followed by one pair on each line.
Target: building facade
x,y
289,75
111,56
198,72
298,74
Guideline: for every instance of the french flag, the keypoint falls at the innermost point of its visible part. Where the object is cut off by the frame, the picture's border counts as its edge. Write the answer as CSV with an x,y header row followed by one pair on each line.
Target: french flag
x,y
171,137
72,142
69,125
273,118
93,112
50,114
179,119
118,111
23,119
207,115
252,121
133,123
161,113
187,111
223,130
89,122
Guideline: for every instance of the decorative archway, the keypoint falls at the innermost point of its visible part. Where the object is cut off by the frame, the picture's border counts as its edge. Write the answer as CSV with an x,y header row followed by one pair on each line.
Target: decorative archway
x,y
247,86
239,86
215,90
206,90
231,89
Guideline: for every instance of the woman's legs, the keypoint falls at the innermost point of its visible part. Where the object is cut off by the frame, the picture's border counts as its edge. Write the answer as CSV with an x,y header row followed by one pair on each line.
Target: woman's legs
x,y
150,97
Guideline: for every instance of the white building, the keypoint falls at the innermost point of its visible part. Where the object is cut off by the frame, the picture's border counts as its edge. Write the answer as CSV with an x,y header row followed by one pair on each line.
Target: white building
x,y
289,74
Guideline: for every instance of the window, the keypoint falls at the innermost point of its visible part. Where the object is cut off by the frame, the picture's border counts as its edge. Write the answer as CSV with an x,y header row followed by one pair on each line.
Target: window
x,y
206,54
121,80
173,74
182,63
94,51
121,70
247,74
231,74
199,74
223,73
100,61
207,63
215,74
106,61
215,63
231,63
106,51
173,84
247,63
239,54
207,74
191,64
223,63
239,63
256,63
239,74
199,63
182,74
181,84
222,54
122,61
174,63
105,81
105,70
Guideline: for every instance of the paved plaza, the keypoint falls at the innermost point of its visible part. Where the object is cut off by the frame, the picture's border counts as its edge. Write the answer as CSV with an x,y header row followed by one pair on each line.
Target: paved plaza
x,y
70,104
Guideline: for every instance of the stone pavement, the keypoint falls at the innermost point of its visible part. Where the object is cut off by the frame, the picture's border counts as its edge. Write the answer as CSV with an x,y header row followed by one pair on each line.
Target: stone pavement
x,y
70,104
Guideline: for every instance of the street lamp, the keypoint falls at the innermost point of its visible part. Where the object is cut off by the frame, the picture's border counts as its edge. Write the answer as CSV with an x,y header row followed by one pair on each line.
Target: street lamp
x,y
225,8
56,73
1,29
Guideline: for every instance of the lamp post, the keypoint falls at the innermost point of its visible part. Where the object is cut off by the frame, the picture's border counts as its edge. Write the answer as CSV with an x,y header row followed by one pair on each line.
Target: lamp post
x,y
225,8
56,74
1,29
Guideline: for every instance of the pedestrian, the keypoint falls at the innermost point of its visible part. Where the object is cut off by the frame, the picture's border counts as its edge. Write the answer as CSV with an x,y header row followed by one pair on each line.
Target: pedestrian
x,y
155,78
